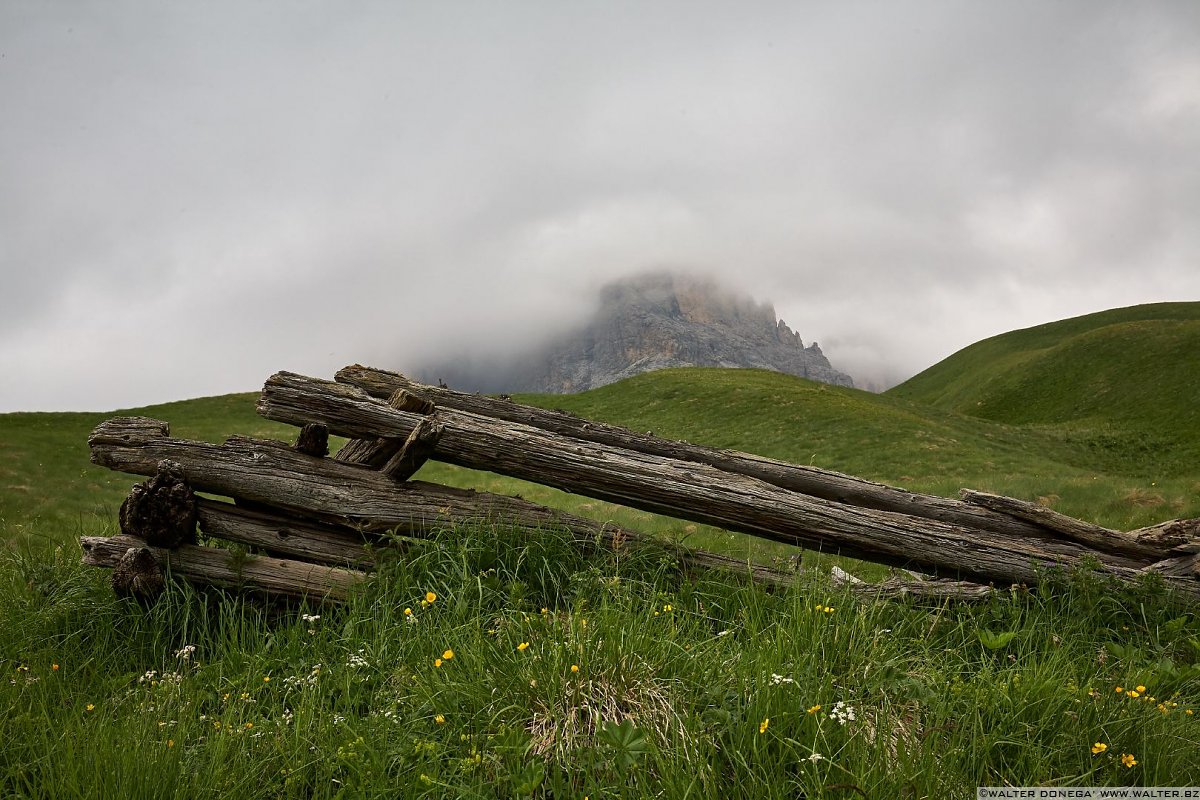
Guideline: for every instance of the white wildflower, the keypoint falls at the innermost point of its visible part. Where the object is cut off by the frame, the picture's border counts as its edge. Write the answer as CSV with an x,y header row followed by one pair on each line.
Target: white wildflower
x,y
842,712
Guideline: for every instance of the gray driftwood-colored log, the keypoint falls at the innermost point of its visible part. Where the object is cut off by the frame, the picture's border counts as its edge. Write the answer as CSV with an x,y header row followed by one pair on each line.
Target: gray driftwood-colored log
x,y
375,452
215,566
695,491
1104,539
825,484
415,451
283,536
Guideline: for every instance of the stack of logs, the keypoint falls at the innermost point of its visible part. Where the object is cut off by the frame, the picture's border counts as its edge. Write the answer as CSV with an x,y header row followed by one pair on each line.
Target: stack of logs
x,y
315,523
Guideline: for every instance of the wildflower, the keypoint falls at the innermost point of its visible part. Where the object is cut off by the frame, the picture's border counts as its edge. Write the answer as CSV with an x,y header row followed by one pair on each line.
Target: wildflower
x,y
574,668
1189,712
310,617
545,610
185,653
1118,690
762,726
170,742
1134,694
449,654
430,597
439,719
408,612
437,662
1098,748
523,646
1128,760
815,757
1140,688
668,607
815,709
54,667
266,678
842,712
90,707
248,725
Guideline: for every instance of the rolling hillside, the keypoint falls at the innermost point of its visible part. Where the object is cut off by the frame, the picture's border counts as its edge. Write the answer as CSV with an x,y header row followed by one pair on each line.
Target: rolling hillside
x,y
1118,388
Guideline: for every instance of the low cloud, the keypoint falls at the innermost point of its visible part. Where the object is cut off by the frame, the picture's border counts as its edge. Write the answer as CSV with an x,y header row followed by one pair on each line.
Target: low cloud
x,y
197,196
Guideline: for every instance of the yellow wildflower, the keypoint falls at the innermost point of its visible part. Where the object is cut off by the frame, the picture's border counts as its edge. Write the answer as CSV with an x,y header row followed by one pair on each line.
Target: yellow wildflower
x,y
449,654
1140,688
54,667
762,726
90,707
815,709
408,612
1128,760
439,719
170,742
1098,748
437,662
430,597
523,646
574,668
1134,694
1118,690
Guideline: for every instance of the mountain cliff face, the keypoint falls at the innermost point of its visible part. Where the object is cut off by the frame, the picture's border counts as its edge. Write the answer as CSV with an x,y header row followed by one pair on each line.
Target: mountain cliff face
x,y
660,320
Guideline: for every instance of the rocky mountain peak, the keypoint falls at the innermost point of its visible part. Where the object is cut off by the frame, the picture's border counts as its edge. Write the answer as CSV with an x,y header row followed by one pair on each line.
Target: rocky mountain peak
x,y
657,320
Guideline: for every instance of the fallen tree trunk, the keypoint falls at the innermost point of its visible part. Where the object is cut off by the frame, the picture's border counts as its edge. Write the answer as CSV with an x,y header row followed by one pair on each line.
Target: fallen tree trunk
x,y
695,491
812,481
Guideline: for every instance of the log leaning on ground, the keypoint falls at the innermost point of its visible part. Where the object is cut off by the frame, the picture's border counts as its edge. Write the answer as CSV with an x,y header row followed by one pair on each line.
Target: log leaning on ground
x,y
703,493
812,481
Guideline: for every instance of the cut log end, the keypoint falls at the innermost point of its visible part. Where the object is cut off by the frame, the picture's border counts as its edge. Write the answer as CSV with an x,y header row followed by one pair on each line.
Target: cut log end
x,y
162,510
138,575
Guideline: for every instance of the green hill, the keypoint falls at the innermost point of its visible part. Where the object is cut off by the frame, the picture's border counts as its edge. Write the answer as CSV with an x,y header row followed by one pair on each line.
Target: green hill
x,y
1118,388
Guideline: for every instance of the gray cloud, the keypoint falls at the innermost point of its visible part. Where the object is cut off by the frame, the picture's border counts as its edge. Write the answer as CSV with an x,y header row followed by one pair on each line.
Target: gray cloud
x,y
196,195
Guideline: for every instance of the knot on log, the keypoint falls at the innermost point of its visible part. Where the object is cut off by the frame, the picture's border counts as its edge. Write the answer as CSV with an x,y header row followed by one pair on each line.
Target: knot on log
x,y
138,575
162,510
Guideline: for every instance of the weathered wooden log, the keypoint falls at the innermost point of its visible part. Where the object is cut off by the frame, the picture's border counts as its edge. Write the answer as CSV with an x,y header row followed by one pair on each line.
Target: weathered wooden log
x,y
216,566
283,536
314,440
1104,539
162,510
417,448
695,491
821,483
347,497
375,452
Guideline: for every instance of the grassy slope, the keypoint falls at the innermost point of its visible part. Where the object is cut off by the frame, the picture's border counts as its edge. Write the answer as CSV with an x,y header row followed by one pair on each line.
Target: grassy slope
x,y
1118,388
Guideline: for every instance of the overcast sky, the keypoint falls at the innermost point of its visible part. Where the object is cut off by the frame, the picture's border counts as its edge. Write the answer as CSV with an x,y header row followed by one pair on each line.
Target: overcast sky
x,y
196,195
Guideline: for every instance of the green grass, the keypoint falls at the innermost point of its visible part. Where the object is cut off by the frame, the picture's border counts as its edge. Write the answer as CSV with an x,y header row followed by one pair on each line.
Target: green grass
x,y
688,686
1117,389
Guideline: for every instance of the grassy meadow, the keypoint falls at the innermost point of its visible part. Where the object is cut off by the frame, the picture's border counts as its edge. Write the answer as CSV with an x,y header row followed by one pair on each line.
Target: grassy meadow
x,y
483,664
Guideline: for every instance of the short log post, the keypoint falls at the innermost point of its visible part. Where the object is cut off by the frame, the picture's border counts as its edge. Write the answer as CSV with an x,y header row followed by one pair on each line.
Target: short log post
x,y
313,440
